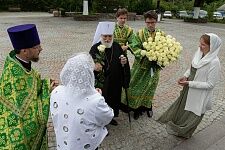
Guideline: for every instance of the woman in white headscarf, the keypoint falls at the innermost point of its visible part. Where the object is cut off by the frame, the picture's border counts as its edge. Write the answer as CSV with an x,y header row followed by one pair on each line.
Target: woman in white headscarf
x,y
78,111
185,114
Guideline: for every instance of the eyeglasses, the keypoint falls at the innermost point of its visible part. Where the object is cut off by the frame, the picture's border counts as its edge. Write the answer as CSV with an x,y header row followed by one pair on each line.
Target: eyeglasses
x,y
151,22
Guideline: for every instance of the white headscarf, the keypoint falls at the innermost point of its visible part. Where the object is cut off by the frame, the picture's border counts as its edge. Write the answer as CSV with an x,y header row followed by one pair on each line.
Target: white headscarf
x,y
77,75
79,113
215,44
103,28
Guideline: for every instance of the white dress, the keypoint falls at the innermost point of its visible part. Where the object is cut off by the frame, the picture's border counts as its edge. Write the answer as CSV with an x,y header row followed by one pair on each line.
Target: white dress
x,y
78,111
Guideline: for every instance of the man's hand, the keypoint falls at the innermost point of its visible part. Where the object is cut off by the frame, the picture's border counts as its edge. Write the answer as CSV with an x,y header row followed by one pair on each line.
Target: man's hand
x,y
53,84
123,59
98,67
124,47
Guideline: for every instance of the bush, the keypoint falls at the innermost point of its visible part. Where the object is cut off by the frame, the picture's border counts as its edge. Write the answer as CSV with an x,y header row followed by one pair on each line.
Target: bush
x,y
199,20
218,21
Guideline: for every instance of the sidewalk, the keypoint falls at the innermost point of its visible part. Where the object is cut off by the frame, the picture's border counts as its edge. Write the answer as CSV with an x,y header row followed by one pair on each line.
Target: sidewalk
x,y
62,37
211,138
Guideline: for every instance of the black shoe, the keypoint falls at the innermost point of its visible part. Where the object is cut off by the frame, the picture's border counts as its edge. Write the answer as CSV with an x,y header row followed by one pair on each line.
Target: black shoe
x,y
113,122
150,114
136,115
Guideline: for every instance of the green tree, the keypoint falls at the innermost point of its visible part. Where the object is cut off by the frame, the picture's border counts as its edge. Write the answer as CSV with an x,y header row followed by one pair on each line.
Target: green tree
x,y
108,6
140,6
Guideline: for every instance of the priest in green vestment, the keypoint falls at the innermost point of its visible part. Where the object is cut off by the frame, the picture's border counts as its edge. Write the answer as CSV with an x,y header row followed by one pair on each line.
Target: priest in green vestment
x,y
144,73
24,96
123,34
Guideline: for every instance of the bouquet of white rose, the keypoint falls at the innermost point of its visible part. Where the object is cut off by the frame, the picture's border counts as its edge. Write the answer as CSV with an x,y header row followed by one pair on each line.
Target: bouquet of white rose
x,y
162,49
100,56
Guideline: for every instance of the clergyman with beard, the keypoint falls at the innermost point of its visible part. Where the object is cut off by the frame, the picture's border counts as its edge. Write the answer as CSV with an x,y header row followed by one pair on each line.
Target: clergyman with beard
x,y
24,96
114,66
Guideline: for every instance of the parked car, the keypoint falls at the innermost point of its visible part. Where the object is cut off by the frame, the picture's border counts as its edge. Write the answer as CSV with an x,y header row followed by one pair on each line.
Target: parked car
x,y
202,14
217,15
182,14
167,14
222,12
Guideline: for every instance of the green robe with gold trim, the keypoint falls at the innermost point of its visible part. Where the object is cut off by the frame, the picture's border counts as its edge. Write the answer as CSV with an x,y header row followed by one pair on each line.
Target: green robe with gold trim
x,y
24,107
142,85
123,35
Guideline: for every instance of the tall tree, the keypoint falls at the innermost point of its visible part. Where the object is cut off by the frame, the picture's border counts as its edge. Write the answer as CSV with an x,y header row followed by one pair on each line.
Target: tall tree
x,y
197,5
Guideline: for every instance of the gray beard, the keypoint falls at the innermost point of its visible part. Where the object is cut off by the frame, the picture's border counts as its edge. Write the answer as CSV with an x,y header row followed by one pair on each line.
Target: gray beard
x,y
107,45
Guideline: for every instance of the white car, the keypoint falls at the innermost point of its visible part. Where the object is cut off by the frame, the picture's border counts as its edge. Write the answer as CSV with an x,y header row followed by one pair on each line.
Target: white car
x,y
217,15
167,14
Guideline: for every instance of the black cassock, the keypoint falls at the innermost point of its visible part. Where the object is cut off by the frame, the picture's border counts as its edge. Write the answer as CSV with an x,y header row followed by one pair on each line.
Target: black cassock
x,y
116,76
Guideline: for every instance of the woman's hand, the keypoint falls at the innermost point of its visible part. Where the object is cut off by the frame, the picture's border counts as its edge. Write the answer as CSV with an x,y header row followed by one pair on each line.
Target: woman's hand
x,y
99,90
98,67
183,81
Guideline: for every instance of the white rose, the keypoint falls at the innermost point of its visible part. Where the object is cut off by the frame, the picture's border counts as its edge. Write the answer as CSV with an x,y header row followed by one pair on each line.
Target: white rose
x,y
153,48
145,44
170,45
172,48
159,63
163,54
157,39
153,44
160,58
174,54
177,43
148,47
150,39
154,58
148,54
143,52
157,48
158,34
150,59
169,56
165,63
173,59
101,48
169,36
163,33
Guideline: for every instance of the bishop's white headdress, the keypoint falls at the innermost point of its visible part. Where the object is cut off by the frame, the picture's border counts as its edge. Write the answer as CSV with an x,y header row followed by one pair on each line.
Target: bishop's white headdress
x,y
103,28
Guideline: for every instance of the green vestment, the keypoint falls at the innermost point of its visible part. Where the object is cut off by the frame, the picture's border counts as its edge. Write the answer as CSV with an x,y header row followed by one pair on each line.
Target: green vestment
x,y
24,107
143,83
123,35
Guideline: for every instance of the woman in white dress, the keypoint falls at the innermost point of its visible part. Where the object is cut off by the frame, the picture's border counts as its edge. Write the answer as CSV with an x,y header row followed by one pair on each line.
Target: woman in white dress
x,y
78,110
185,114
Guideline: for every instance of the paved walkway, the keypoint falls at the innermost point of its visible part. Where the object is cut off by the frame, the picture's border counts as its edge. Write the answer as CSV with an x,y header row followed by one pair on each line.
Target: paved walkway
x,y
62,37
